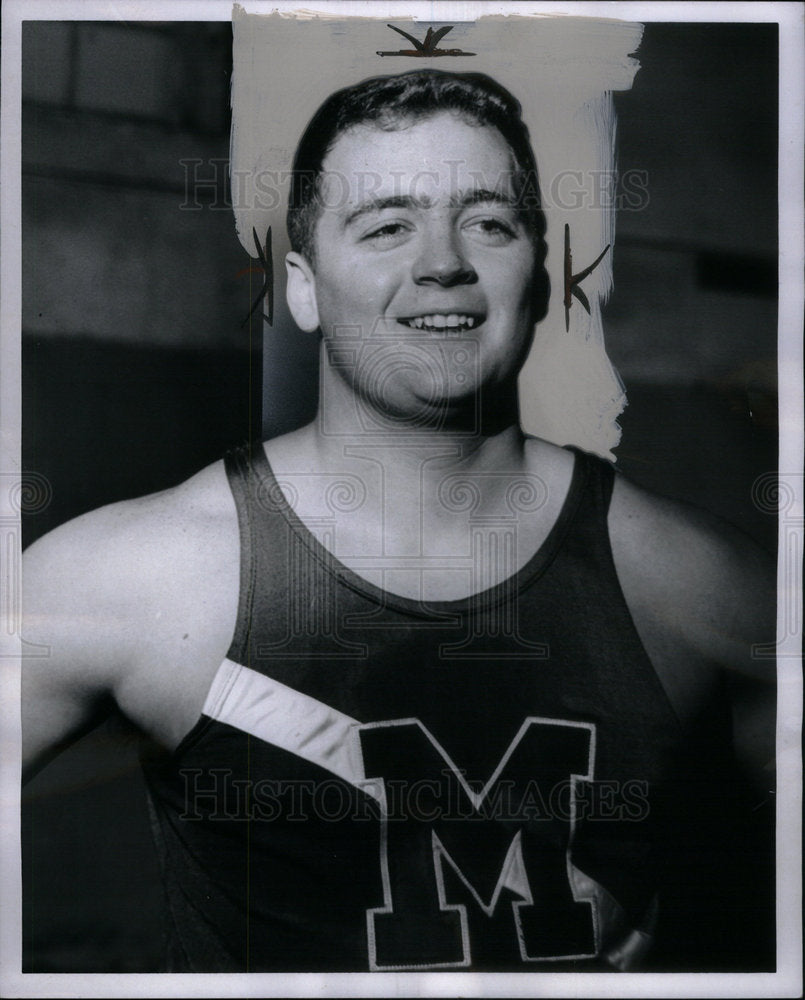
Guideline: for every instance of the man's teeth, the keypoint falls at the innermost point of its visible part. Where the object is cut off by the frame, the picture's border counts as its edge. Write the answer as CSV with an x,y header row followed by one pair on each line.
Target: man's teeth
x,y
440,321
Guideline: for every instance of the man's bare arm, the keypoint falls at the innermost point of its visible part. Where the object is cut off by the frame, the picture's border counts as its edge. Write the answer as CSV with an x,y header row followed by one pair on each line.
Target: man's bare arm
x,y
73,605
136,603
703,596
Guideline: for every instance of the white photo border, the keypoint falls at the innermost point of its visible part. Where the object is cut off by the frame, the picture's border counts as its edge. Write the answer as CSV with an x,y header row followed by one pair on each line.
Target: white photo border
x,y
787,981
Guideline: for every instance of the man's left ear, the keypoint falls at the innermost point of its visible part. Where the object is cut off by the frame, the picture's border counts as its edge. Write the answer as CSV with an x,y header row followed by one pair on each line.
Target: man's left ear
x,y
301,292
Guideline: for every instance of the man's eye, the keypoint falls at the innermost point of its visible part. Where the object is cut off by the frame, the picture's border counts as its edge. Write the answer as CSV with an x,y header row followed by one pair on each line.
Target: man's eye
x,y
494,232
389,232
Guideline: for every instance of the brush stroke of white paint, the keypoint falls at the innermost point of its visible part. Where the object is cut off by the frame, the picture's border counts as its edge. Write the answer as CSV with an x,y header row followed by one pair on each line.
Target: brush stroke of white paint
x,y
562,70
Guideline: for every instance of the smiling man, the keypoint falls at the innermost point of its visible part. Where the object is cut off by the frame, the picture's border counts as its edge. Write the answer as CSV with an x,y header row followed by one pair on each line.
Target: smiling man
x,y
422,692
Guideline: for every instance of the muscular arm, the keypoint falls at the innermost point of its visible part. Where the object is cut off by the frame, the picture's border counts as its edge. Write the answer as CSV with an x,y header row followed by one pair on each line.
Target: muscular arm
x,y
71,605
702,595
136,603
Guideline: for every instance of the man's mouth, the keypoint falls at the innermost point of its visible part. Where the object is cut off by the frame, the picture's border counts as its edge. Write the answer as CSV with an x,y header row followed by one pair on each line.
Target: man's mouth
x,y
440,322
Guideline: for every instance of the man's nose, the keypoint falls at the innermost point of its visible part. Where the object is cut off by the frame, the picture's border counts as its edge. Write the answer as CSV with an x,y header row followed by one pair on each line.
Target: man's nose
x,y
441,261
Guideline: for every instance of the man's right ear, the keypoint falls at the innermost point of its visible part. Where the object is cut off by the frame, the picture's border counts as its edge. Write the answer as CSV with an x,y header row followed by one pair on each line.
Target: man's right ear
x,y
301,292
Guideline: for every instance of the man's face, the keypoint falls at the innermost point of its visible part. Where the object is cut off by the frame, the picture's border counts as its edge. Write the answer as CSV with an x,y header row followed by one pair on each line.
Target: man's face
x,y
423,260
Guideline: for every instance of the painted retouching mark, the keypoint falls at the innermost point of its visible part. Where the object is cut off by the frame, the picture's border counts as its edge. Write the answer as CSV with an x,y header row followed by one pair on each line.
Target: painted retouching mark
x,y
426,48
266,258
572,280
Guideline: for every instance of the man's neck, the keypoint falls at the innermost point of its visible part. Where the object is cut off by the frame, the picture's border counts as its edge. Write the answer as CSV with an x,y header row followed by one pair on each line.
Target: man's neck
x,y
411,510
474,433
411,450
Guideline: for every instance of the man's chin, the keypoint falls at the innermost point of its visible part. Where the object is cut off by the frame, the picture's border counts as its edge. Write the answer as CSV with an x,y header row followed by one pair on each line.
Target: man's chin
x,y
414,410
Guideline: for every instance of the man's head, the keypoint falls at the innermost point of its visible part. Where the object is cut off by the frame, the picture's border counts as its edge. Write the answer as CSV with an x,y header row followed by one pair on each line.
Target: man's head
x,y
418,246
392,102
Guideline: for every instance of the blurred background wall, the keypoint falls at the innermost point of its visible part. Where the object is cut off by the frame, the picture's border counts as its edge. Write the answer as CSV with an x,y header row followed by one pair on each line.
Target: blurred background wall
x,y
137,369
137,372
692,322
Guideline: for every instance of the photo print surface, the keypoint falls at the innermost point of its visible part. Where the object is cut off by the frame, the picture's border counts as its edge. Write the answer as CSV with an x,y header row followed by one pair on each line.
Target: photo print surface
x,y
403,497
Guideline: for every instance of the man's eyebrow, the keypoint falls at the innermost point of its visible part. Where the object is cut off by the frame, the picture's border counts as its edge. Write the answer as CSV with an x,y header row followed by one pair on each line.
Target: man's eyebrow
x,y
378,204
464,199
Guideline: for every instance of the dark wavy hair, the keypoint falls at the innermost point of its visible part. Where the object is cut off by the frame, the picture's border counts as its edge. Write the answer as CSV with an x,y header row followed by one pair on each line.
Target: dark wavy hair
x,y
388,102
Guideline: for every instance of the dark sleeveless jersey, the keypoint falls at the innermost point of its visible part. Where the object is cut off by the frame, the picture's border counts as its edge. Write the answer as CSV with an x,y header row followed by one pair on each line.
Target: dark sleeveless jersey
x,y
378,783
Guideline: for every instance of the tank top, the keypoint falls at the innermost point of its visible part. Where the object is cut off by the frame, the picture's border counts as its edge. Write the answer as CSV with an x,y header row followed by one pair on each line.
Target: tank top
x,y
376,783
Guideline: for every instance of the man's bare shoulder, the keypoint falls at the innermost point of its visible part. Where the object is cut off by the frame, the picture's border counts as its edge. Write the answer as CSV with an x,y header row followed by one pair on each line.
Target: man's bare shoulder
x,y
127,559
709,585
136,603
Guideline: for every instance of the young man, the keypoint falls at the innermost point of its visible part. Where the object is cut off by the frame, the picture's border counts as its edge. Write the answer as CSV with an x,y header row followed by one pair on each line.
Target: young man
x,y
423,692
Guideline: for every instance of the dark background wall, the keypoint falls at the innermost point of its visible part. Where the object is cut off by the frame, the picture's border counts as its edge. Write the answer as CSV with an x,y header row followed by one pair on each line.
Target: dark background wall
x,y
692,322
137,369
137,372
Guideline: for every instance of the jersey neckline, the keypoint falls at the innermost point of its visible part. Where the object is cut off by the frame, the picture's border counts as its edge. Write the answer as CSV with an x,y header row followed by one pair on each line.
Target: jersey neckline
x,y
531,570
